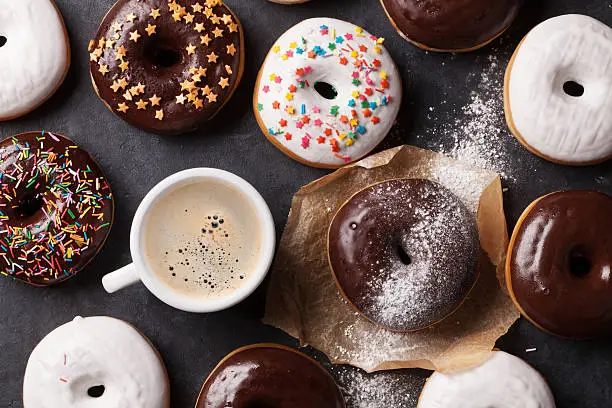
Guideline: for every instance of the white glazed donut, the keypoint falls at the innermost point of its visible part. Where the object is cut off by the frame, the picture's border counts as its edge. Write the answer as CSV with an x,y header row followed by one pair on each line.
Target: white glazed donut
x,y
565,51
95,362
34,56
503,381
289,102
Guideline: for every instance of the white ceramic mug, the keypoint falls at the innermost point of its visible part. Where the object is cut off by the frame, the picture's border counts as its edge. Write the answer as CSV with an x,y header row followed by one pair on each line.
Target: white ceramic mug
x,y
139,269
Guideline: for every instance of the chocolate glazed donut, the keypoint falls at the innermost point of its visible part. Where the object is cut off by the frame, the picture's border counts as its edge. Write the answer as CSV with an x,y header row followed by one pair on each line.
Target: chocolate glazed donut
x,y
559,267
451,25
404,253
269,376
56,208
167,66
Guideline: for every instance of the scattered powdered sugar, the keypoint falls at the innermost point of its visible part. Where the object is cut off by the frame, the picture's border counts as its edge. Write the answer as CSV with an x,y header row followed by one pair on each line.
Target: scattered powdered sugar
x,y
390,389
479,134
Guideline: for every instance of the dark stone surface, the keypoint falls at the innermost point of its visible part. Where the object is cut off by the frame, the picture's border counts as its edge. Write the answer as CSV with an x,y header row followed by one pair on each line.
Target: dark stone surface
x,y
579,372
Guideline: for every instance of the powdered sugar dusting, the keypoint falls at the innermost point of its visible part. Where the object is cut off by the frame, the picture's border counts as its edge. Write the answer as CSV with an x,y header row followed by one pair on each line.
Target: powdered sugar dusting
x,y
479,134
398,389
405,253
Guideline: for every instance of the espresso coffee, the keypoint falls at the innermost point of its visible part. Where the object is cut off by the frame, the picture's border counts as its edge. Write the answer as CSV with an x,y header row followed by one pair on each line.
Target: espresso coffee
x,y
203,239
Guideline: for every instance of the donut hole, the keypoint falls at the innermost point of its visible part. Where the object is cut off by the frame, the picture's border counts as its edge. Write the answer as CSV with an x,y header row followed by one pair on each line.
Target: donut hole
x,y
162,55
579,263
3,41
28,206
96,391
404,257
573,88
326,90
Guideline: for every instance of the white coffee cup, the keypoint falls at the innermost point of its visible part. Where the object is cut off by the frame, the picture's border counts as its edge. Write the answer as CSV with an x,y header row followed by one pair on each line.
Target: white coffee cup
x,y
139,270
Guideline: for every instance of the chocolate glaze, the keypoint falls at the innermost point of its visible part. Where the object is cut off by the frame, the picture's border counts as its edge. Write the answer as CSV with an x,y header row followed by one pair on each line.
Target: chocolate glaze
x,y
404,253
149,56
561,264
56,208
269,377
452,25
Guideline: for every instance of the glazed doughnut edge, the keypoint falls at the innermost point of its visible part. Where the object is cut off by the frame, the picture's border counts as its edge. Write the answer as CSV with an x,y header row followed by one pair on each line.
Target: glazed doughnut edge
x,y
339,287
64,75
260,346
427,48
512,126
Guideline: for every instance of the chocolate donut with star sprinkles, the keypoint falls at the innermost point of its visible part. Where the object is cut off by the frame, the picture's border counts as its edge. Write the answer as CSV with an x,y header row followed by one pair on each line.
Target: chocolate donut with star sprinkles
x,y
167,66
56,208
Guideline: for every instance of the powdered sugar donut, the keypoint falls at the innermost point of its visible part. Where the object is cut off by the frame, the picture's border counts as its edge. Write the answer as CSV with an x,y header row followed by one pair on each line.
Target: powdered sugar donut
x,y
327,93
95,362
558,90
34,55
503,380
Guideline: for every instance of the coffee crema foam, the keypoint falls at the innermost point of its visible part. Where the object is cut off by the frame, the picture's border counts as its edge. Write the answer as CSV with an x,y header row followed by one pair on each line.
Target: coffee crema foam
x,y
203,239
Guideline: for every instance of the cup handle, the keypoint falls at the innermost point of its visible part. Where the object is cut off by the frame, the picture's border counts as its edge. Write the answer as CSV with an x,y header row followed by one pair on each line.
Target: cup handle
x,y
121,278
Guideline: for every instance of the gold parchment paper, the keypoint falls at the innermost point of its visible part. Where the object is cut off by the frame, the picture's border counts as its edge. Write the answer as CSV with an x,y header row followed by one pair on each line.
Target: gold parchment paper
x,y
303,299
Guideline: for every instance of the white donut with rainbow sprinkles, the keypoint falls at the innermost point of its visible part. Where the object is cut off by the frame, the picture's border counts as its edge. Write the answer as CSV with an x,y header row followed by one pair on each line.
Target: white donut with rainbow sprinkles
x,y
327,93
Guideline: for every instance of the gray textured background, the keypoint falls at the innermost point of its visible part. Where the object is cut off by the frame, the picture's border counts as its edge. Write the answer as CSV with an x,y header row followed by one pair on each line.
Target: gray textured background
x,y
579,372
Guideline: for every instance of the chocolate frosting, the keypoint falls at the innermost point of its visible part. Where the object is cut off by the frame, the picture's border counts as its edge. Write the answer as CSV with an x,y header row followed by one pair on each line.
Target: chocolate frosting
x,y
142,53
56,208
452,25
404,252
269,376
560,265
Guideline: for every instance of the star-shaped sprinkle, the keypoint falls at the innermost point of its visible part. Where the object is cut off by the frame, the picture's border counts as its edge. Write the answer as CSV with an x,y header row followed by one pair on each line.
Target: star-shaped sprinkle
x,y
142,105
231,49
159,114
150,29
101,43
212,3
122,107
215,19
197,8
110,43
180,99
212,97
224,82
140,88
212,57
228,69
115,86
202,71
124,66
199,27
103,69
155,100
227,19
121,51
187,86
206,90
208,12
116,26
198,103
275,104
130,18
134,36
191,49
192,95
196,78
218,32
188,18
155,13
127,95
123,83
276,49
205,39
233,28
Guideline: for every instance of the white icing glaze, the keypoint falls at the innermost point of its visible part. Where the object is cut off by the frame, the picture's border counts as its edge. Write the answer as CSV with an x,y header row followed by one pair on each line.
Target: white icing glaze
x,y
95,351
312,139
565,128
35,58
504,381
